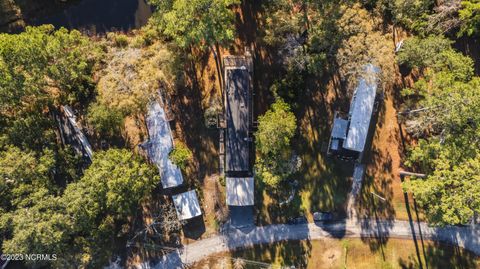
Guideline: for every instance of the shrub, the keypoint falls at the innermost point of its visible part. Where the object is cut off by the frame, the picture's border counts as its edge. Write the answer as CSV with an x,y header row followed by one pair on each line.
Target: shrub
x,y
181,155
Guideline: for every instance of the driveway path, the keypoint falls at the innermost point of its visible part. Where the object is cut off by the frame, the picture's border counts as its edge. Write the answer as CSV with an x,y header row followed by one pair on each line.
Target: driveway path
x,y
466,237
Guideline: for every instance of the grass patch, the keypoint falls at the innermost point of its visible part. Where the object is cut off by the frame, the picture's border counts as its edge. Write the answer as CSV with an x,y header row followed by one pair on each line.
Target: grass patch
x,y
347,253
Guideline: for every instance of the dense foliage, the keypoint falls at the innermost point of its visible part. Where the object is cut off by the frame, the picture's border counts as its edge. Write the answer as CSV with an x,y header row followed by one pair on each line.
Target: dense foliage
x,y
275,131
470,16
197,22
80,224
447,125
50,204
136,76
42,67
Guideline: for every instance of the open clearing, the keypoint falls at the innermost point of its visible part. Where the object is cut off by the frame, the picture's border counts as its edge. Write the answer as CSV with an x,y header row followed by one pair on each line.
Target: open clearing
x,y
330,253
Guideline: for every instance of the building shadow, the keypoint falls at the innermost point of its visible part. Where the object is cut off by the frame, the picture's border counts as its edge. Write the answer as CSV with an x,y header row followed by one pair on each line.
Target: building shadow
x,y
194,228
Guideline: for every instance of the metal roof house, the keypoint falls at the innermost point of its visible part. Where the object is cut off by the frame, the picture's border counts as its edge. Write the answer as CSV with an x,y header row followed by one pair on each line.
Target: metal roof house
x,y
238,116
350,132
238,160
159,145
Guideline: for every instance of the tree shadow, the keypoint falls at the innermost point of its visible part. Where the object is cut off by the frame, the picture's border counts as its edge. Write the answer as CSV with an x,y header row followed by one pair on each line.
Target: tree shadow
x,y
285,254
438,255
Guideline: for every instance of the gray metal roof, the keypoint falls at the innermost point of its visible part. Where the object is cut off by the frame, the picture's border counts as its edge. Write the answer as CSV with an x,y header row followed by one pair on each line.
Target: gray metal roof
x,y
186,205
361,110
240,191
237,146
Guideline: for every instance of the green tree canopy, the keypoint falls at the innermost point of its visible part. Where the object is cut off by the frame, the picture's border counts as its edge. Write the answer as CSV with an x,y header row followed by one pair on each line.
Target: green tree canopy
x,y
22,173
470,16
41,67
423,52
181,155
450,195
41,228
107,122
115,183
196,22
448,149
276,129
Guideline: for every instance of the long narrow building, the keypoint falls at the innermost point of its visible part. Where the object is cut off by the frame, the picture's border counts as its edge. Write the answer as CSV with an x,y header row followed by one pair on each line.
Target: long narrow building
x,y
237,116
238,139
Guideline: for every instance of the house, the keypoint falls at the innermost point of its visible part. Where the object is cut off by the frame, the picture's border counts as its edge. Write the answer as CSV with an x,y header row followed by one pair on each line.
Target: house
x,y
350,132
238,114
159,145
238,139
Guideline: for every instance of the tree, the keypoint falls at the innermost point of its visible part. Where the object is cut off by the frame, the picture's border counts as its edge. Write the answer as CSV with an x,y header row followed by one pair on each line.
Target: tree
x,y
42,67
275,130
412,14
135,76
448,146
451,195
115,183
423,52
470,16
21,174
41,228
362,44
111,189
196,22
107,122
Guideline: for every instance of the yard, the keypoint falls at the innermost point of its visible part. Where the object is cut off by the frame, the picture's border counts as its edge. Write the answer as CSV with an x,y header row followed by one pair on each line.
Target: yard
x,y
323,183
346,253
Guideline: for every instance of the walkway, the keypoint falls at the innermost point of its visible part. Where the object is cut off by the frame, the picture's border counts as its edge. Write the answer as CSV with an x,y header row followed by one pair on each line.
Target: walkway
x,y
466,237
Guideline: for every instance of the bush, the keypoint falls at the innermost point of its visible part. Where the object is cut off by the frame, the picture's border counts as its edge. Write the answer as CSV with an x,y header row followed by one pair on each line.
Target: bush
x,y
181,155
119,40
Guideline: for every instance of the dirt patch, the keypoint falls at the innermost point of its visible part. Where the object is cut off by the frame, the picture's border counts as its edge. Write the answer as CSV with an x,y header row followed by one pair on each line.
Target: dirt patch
x,y
214,204
134,131
331,257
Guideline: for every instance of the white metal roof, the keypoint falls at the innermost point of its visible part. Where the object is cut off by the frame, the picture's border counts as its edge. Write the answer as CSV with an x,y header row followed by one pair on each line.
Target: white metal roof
x,y
240,191
339,129
186,205
361,110
160,144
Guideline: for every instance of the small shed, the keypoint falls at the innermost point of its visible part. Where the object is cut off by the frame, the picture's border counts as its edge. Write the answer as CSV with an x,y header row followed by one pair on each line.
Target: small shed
x,y
240,191
187,205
